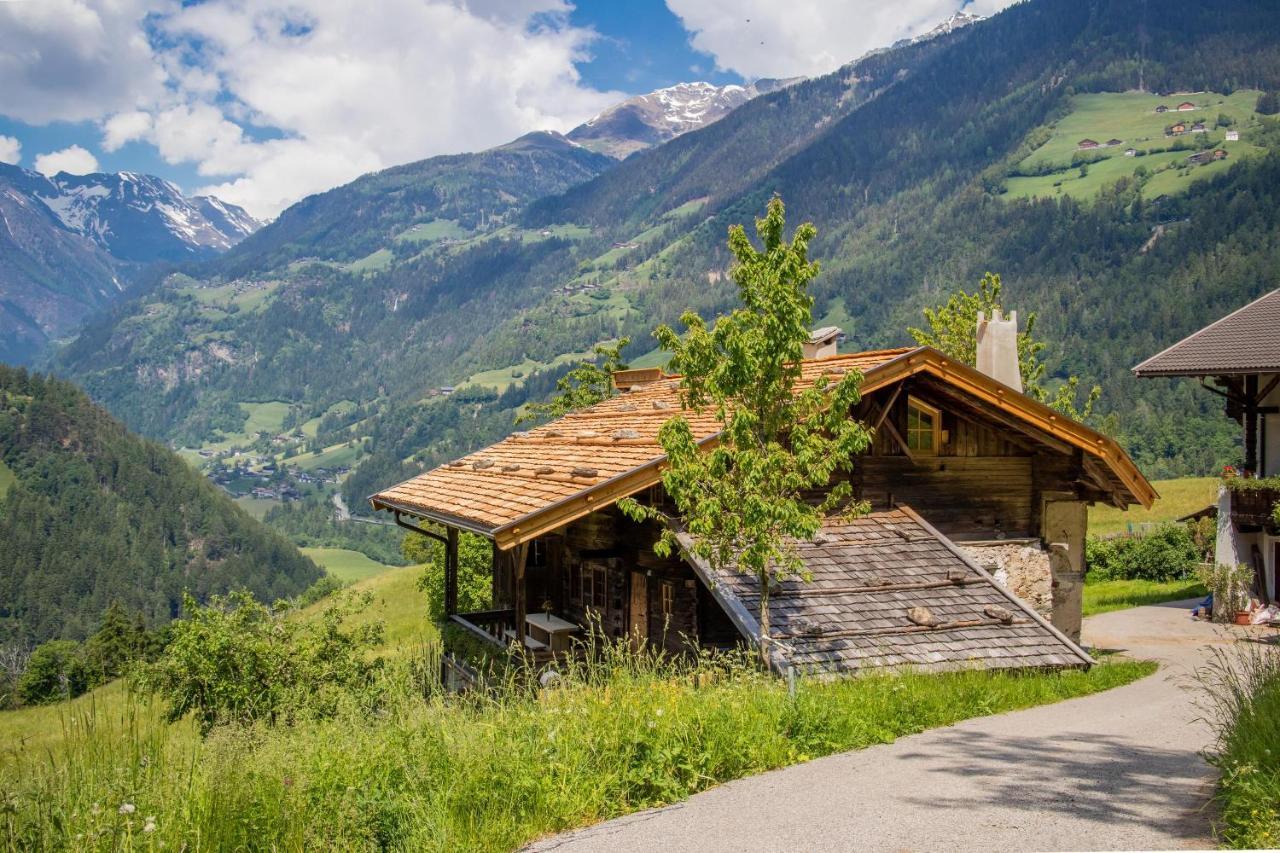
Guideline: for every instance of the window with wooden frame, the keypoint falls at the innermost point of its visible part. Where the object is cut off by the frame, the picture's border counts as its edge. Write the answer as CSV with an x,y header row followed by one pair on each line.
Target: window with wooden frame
x,y
668,598
593,587
924,428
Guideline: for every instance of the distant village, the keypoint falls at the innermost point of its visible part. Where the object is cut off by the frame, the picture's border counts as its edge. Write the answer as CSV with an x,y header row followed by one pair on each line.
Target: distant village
x,y
1177,129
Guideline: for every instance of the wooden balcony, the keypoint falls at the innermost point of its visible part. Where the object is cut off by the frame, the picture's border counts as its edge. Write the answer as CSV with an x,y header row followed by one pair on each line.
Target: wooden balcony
x,y
1254,508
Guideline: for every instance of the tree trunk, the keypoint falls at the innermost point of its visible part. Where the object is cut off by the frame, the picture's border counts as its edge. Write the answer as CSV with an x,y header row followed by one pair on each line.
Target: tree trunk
x,y
764,620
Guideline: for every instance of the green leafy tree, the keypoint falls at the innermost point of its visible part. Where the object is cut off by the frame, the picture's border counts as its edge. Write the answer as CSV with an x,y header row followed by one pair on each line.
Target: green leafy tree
x,y
742,499
587,384
237,661
475,571
118,642
55,671
1268,104
953,330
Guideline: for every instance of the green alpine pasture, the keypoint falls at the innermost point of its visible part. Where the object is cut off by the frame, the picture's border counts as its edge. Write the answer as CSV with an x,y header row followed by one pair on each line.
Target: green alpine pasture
x,y
344,564
1178,497
1131,118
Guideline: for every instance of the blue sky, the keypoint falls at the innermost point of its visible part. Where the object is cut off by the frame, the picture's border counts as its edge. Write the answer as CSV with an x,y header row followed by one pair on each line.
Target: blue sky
x,y
264,101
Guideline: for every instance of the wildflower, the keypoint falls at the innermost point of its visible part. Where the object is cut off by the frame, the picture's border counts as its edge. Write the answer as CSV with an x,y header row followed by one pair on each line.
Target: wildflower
x,y
658,713
150,825
127,808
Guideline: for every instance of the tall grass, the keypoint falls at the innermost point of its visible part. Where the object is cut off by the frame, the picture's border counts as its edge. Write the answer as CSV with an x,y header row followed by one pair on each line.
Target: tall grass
x,y
1243,689
480,772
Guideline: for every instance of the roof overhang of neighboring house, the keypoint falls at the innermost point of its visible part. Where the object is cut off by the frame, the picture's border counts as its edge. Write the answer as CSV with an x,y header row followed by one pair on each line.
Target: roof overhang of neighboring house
x,y
1246,341
532,483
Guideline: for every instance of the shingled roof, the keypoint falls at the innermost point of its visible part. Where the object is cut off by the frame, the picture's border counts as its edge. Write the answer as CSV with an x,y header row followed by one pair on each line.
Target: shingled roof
x,y
533,482
870,576
1245,341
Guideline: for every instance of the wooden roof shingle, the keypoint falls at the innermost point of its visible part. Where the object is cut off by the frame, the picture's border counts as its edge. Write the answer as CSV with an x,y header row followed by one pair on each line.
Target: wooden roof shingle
x,y
868,573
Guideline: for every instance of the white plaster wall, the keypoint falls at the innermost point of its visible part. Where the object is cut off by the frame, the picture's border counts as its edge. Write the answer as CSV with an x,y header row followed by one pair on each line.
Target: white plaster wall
x,y
1271,450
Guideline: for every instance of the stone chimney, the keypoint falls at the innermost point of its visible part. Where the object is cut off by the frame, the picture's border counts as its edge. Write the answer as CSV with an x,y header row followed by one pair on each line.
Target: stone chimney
x,y
998,348
823,342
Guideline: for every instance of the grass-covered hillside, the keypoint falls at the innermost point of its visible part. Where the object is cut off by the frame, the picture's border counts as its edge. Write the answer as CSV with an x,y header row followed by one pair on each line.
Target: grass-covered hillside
x,y
1134,141
91,514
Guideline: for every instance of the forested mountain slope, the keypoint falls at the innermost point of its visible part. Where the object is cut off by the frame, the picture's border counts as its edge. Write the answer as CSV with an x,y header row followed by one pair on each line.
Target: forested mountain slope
x,y
904,161
90,514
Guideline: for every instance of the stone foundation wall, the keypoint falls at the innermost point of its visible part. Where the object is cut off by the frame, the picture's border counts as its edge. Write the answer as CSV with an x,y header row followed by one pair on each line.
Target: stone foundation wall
x,y
1022,569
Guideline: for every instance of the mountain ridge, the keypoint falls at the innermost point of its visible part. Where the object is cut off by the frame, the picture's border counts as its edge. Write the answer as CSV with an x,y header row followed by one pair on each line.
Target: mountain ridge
x,y
73,243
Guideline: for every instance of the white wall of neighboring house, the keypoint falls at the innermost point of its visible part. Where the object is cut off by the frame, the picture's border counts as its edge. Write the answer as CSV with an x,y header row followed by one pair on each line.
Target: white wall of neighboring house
x,y
1271,434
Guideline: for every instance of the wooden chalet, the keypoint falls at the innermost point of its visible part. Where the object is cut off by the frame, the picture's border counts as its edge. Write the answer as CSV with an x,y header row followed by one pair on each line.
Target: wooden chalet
x,y
968,480
1238,358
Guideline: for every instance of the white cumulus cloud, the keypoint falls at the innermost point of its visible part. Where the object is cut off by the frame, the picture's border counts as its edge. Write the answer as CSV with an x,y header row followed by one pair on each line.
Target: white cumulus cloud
x,y
10,150
764,38
274,99
73,160
71,60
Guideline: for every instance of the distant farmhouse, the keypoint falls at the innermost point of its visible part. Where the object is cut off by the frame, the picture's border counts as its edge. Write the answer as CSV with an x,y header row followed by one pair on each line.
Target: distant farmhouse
x,y
1087,143
1186,106
1114,142
1131,152
1163,108
1199,127
1175,129
1202,157
1233,136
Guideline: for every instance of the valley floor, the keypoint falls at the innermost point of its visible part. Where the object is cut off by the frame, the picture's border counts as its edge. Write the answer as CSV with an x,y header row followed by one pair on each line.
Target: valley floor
x,y
1117,770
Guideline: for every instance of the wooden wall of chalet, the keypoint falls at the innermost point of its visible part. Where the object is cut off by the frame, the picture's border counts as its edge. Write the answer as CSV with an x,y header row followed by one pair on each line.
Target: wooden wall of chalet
x,y
591,578
983,483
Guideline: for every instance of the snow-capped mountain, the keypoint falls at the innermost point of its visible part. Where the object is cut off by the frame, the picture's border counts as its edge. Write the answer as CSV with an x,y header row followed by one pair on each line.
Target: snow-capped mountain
x,y
647,120
141,218
70,244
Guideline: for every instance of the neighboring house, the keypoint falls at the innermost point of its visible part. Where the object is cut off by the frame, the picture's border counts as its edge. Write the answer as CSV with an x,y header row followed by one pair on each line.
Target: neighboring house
x,y
1186,106
1087,143
1219,154
1111,143
967,477
1131,152
1238,358
1199,127
1175,129
1233,136
1163,108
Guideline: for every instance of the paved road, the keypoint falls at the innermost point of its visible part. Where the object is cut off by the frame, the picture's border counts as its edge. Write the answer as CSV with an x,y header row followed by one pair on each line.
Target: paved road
x,y
1119,770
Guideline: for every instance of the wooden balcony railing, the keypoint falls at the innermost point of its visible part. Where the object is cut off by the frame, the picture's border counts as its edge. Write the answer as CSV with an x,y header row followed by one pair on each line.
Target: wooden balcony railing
x,y
1254,507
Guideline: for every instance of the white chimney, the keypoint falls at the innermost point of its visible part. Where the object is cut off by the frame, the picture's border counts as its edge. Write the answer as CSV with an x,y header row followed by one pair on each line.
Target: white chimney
x,y
998,348
823,342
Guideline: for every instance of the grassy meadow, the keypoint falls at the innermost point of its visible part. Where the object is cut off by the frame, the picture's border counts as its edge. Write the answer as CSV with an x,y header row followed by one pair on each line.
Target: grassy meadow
x,y
1177,498
1131,118
345,565
1105,596
7,478
481,773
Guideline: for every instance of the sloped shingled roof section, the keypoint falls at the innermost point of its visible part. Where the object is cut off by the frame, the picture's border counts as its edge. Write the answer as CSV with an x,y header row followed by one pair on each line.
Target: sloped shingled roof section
x,y
1245,341
532,482
868,575
528,471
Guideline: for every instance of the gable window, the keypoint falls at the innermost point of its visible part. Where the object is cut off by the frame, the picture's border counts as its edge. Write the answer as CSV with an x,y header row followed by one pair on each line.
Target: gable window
x,y
924,427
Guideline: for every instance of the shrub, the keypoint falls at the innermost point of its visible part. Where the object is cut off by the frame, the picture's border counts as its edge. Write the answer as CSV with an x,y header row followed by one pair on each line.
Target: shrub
x,y
236,661
1242,687
475,572
1167,553
55,671
1230,586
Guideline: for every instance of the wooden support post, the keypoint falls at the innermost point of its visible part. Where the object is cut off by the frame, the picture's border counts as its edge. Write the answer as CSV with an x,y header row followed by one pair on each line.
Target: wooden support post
x,y
451,572
520,555
1251,423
